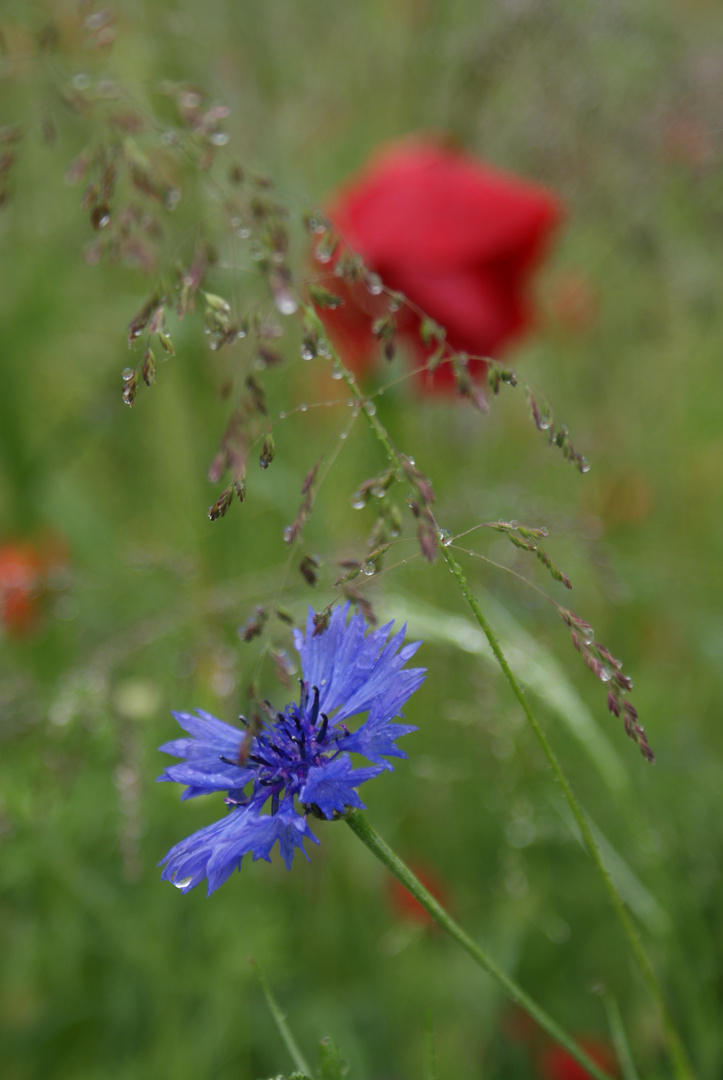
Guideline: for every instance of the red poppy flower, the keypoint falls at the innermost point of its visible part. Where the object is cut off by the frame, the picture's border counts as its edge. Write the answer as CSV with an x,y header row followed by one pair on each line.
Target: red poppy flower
x,y
556,1064
459,239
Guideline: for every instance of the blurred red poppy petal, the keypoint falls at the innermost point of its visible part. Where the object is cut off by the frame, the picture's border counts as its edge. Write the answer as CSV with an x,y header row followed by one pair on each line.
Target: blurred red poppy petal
x,y
556,1064
459,239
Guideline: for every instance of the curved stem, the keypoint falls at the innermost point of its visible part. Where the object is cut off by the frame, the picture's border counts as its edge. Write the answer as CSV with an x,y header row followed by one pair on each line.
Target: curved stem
x,y
682,1066
361,827
678,1054
280,1020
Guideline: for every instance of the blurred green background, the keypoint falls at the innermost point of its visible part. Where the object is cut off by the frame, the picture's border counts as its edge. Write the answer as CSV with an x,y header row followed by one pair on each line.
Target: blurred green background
x,y
106,971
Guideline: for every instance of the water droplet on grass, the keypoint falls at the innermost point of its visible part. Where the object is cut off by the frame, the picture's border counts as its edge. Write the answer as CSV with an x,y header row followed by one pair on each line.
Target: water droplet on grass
x,y
286,302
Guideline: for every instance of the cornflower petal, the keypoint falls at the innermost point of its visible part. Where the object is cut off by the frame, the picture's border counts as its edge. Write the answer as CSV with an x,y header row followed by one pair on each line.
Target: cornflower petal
x,y
375,740
330,788
207,730
210,755
256,834
352,670
207,774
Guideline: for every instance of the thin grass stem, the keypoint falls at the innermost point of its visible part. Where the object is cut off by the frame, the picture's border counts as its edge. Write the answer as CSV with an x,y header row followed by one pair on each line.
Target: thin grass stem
x,y
366,833
681,1064
280,1020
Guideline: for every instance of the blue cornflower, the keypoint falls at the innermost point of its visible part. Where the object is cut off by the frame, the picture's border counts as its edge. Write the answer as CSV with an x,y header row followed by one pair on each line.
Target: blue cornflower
x,y
298,763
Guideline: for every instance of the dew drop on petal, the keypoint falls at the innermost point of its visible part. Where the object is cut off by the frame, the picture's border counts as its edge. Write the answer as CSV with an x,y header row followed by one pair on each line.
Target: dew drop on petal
x,y
182,883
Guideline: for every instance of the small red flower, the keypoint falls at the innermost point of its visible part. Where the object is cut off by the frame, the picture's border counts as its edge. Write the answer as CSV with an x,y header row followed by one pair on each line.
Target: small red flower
x,y
404,905
459,239
556,1064
26,571
21,572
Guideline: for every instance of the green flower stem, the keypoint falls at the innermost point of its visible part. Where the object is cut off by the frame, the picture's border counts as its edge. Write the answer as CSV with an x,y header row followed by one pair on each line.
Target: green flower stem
x,y
359,825
280,1020
683,1069
620,1040
679,1057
